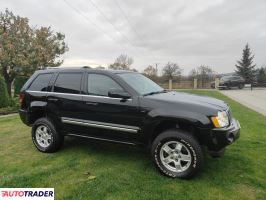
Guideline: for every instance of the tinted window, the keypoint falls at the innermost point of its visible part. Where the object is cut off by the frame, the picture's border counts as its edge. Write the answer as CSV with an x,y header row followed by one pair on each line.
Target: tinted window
x,y
41,82
68,83
100,85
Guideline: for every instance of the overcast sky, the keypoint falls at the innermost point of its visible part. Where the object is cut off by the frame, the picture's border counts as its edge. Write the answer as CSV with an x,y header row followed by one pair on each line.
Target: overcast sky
x,y
188,32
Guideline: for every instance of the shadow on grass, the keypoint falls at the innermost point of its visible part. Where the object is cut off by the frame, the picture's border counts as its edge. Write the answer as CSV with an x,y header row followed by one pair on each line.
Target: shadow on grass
x,y
231,167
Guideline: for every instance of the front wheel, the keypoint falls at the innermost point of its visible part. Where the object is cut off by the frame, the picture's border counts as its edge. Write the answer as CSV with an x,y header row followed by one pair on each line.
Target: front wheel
x,y
177,154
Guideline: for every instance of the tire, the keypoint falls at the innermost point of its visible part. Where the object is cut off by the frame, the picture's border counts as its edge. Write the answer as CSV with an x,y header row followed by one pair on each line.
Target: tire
x,y
241,86
188,148
45,137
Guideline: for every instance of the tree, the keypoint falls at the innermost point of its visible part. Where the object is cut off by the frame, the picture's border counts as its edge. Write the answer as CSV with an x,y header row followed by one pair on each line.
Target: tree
x,y
48,47
150,71
261,76
4,100
203,74
122,62
244,67
171,70
23,49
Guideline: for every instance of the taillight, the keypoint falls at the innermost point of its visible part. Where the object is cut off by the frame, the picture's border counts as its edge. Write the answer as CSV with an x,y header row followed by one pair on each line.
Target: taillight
x,y
21,98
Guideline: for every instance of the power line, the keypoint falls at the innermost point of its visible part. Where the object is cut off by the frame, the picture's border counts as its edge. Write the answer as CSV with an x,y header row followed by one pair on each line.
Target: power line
x,y
123,46
127,19
89,20
110,22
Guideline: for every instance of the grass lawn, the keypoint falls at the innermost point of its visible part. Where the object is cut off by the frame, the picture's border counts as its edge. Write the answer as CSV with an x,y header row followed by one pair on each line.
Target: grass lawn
x,y
97,170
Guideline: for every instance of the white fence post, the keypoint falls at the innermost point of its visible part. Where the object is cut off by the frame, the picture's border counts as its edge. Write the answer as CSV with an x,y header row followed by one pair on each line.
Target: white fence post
x,y
170,84
195,83
217,80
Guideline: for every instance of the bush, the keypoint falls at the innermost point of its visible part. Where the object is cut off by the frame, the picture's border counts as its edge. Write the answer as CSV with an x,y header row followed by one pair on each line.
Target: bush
x,y
4,98
18,84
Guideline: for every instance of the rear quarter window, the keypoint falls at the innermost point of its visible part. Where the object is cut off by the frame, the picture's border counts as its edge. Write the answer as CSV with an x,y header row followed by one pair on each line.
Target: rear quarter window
x,y
40,83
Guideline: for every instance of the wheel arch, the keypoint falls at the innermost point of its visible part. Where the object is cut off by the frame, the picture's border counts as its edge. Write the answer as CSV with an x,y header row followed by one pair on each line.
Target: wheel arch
x,y
166,124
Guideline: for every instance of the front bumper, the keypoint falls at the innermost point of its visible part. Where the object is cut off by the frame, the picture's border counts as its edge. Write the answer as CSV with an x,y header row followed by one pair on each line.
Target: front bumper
x,y
221,137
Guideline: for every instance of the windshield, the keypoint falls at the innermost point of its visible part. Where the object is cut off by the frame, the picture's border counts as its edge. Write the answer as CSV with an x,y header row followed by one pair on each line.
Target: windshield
x,y
140,83
225,78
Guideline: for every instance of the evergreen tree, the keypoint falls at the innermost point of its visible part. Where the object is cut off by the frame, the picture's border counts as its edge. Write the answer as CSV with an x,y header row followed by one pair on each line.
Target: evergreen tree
x,y
261,76
245,67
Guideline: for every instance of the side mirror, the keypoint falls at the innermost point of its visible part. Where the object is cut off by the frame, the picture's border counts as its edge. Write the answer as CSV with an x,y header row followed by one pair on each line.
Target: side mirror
x,y
116,93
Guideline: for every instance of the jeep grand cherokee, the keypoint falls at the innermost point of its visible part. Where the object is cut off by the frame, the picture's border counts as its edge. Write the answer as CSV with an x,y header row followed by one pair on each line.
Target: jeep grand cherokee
x,y
126,107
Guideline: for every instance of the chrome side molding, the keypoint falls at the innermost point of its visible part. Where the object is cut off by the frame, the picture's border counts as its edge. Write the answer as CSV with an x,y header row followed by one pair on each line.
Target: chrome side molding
x,y
103,125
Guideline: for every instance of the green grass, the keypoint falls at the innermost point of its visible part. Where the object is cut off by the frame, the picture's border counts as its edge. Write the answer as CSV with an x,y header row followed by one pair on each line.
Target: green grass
x,y
123,172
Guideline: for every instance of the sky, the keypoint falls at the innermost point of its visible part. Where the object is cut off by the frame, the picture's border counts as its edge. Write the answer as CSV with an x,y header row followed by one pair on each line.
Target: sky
x,y
188,32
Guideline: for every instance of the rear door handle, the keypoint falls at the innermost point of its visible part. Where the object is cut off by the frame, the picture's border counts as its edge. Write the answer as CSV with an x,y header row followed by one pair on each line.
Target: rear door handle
x,y
53,99
91,103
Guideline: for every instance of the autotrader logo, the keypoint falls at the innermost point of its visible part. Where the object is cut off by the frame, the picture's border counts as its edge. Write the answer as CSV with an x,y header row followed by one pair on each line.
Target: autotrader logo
x,y
27,193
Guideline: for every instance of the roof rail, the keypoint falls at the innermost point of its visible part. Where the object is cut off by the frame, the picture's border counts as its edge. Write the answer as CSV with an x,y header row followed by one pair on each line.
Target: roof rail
x,y
87,67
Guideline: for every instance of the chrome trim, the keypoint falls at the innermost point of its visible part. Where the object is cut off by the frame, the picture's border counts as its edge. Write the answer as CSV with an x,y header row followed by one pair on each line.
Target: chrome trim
x,y
103,139
83,95
103,125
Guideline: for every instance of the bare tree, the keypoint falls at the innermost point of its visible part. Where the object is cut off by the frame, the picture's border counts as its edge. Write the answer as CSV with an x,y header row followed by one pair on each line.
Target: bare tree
x,y
203,74
123,62
171,70
150,71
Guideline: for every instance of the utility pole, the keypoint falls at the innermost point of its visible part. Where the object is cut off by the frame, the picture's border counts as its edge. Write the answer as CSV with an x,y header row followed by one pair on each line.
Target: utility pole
x,y
156,67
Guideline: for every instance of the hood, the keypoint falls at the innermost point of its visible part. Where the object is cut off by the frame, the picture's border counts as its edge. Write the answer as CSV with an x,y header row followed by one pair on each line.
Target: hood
x,y
192,99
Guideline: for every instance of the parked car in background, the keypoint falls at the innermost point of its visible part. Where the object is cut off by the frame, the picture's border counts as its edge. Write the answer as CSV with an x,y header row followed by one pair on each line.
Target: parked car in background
x,y
227,82
126,107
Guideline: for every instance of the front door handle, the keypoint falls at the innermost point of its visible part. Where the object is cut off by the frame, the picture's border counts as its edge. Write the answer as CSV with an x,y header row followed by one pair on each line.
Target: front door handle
x,y
91,103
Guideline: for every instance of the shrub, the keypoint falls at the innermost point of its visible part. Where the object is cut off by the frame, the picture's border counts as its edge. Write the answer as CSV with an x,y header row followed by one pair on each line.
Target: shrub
x,y
4,98
18,84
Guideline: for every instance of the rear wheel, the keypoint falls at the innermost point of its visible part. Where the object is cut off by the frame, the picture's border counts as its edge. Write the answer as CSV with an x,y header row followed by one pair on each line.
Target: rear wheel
x,y
177,154
241,86
45,137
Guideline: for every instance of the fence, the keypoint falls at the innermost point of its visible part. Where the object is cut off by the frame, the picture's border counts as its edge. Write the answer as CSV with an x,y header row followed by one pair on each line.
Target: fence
x,y
193,84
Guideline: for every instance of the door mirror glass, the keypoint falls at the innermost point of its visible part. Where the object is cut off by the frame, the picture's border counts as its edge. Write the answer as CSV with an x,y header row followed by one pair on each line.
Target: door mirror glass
x,y
117,93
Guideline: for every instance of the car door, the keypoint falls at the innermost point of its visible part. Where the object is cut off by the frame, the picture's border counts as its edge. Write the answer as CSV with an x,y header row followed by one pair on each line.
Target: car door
x,y
65,100
106,117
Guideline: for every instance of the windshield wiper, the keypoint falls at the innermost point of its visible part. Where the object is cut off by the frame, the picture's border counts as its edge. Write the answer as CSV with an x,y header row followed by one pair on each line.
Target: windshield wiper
x,y
156,92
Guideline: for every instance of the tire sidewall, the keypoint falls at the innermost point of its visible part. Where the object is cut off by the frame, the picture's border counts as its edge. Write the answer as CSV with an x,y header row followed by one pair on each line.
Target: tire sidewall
x,y
190,171
34,128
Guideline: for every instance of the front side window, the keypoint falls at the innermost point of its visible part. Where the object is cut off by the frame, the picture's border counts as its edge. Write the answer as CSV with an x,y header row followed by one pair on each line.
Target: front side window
x,y
68,83
100,85
41,82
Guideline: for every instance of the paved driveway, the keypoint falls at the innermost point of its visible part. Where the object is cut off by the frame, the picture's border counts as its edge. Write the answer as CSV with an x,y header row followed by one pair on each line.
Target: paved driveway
x,y
255,99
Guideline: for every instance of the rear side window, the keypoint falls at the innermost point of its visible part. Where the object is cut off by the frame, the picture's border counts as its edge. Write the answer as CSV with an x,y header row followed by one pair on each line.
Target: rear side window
x,y
100,85
68,83
41,82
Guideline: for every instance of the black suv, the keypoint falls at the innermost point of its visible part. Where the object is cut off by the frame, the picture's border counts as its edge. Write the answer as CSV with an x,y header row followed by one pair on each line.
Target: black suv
x,y
227,82
128,108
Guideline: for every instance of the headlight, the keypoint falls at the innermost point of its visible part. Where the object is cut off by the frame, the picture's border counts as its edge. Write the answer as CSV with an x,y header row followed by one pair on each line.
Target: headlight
x,y
221,120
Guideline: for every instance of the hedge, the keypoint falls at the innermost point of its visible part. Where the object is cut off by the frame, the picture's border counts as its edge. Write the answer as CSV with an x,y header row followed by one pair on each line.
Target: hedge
x,y
18,84
4,98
